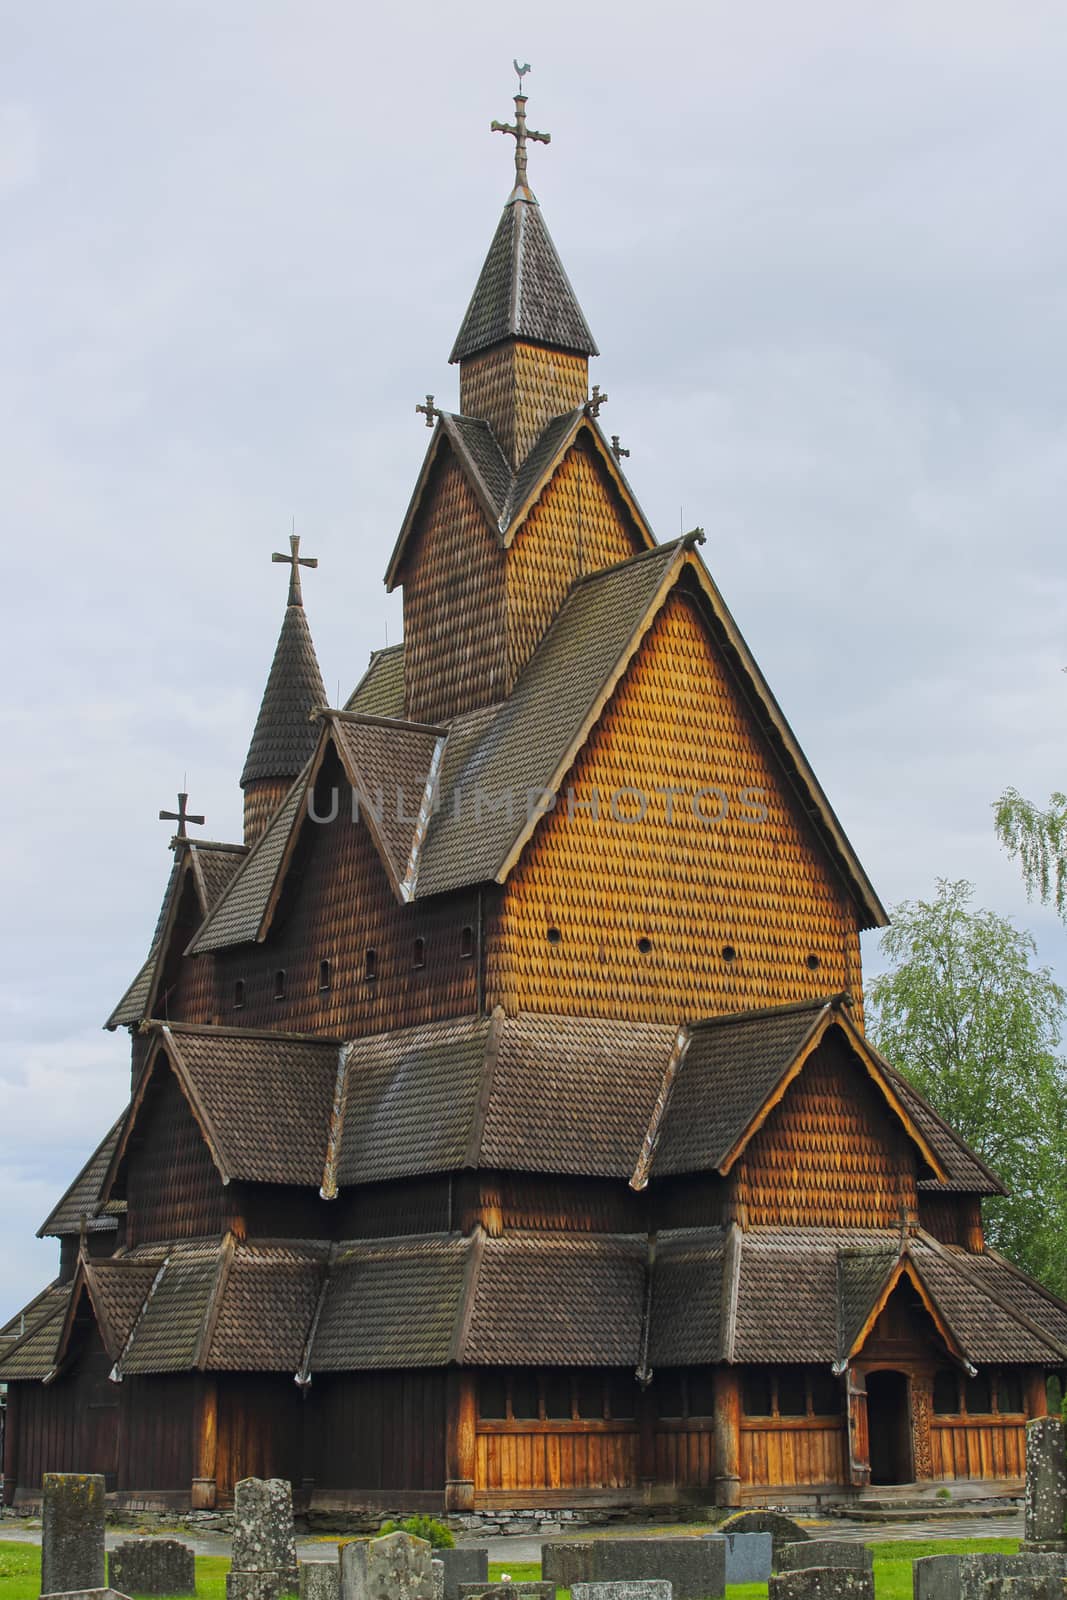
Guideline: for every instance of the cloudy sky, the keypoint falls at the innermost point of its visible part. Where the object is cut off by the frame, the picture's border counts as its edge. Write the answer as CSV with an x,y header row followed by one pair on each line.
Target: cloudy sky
x,y
823,250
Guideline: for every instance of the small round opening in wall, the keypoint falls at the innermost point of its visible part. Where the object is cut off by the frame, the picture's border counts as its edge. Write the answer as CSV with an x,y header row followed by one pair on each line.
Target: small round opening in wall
x,y
729,953
644,944
813,963
554,936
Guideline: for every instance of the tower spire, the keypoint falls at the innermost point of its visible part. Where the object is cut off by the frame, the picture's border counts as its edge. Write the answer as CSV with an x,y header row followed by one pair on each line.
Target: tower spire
x,y
296,561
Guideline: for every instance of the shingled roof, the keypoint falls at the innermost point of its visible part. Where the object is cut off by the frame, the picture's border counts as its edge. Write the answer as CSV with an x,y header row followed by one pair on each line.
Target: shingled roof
x,y
284,738
380,691
522,291
83,1197
212,866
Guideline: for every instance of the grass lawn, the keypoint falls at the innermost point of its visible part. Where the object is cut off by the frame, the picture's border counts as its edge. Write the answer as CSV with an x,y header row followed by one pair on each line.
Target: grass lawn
x,y
20,1569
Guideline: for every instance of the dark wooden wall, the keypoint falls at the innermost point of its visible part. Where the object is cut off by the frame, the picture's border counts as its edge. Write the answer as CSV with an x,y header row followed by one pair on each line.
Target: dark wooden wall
x,y
72,1424
377,1430
172,1185
260,1428
157,1433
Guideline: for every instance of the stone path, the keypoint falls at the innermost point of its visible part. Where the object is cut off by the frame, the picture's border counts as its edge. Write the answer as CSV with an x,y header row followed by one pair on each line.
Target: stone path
x,y
527,1547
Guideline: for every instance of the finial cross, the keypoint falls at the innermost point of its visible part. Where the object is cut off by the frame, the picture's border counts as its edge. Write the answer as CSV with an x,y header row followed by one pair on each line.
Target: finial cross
x,y
181,816
519,131
296,561
595,401
616,448
429,411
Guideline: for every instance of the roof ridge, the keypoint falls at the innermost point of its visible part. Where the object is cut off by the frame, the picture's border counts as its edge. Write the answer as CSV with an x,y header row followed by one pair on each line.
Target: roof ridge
x,y
216,1030
760,1013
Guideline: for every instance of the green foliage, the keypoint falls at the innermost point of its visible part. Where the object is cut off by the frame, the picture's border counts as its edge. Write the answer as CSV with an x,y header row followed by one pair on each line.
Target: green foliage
x,y
966,1014
1038,841
421,1527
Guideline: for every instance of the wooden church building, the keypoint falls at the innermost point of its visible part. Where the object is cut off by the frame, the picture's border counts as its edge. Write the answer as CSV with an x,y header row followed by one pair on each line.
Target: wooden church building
x,y
502,1127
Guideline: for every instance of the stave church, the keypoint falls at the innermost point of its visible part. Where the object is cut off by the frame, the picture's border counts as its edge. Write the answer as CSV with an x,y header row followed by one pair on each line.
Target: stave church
x,y
502,1129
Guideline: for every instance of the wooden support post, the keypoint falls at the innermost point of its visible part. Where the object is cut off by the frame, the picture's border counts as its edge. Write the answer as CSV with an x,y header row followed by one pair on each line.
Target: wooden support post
x,y
727,1383
11,1445
646,1441
1036,1393
460,1439
859,1443
204,1493
922,1406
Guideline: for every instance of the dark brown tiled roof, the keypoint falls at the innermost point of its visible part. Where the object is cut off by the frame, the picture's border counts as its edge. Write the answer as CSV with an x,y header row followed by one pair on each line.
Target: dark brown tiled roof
x,y
476,444
29,1342
542,456
558,1300
268,1099
572,1094
410,1100
237,917
1032,1299
522,291
391,768
524,745
119,1288
787,1297
83,1196
986,1330
687,1298
391,1303
861,1277
167,1334
729,1069
267,1306
966,1172
217,864
380,691
133,1006
284,737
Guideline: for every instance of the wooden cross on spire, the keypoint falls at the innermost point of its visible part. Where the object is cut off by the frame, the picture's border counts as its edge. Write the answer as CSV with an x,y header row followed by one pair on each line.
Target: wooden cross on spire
x,y
181,817
296,561
520,133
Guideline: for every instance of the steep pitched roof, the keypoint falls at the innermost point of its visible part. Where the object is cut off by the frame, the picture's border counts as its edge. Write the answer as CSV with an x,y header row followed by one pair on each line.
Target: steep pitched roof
x,y
84,1196
506,497
380,691
522,291
741,1065
284,737
31,1353
391,1303
212,866
237,917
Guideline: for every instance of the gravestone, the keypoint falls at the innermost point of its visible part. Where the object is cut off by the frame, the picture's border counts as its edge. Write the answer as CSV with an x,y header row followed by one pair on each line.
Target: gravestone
x,y
437,1578
749,1556
565,1562
320,1580
695,1568
152,1566
782,1529
1044,1586
508,1591
639,1589
87,1594
825,1553
396,1567
264,1564
72,1533
1046,1483
822,1583
465,1563
964,1577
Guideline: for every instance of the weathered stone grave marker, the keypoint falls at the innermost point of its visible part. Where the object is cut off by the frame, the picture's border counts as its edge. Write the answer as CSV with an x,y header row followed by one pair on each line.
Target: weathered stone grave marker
x,y
320,1580
464,1563
822,1583
636,1589
264,1564
396,1567
152,1566
695,1567
782,1529
825,1553
749,1556
1046,1484
72,1533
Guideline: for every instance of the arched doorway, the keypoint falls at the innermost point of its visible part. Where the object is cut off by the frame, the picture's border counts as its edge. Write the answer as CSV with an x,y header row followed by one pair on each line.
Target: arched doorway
x,y
889,1427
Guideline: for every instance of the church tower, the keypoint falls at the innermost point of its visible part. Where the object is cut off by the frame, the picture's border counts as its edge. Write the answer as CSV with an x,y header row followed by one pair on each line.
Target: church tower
x,y
284,737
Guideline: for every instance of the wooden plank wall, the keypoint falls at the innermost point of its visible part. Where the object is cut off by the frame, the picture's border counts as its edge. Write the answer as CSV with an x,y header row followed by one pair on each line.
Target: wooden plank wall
x,y
555,1455
71,1425
260,1429
173,1188
804,1451
964,1448
157,1433
377,1430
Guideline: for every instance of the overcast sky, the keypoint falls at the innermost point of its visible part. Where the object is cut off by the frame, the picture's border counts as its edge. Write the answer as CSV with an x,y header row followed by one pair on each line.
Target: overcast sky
x,y
822,248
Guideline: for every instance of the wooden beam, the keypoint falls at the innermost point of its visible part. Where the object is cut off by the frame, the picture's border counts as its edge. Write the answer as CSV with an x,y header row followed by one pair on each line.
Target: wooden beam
x,y
1036,1393
727,1384
11,1445
204,1490
461,1402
